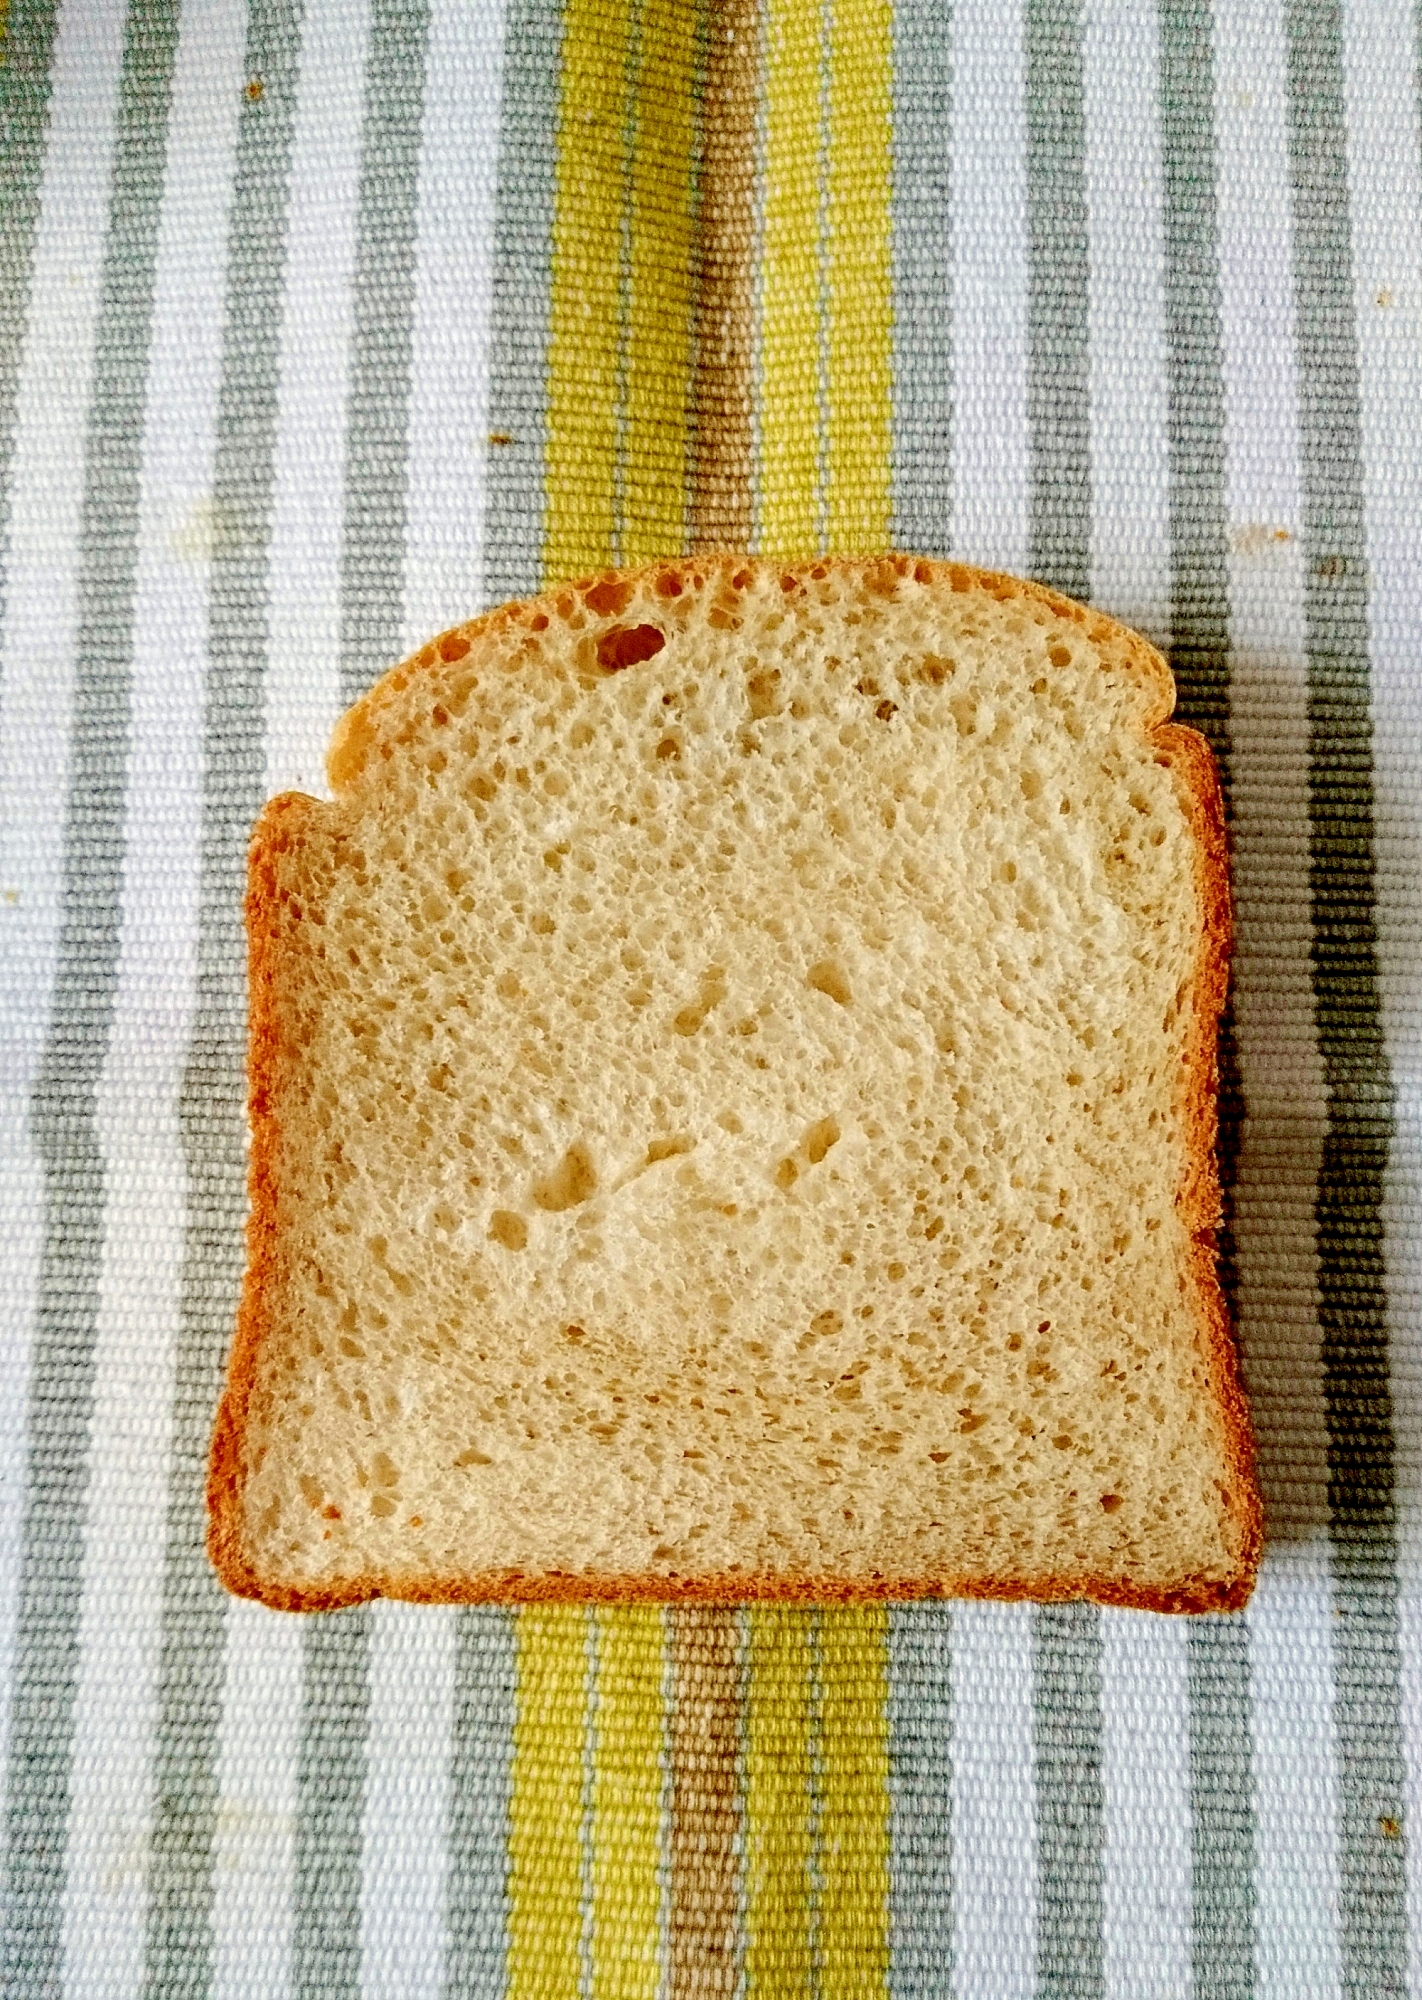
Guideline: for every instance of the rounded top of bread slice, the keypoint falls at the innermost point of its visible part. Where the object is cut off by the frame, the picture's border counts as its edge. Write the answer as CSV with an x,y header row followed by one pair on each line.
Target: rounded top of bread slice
x,y
600,625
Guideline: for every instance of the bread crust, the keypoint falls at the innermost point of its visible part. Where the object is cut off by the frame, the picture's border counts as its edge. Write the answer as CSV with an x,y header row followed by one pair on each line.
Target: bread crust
x,y
279,827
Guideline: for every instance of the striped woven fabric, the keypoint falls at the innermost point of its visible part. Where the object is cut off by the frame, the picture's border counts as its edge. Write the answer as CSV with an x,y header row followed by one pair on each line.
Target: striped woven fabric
x,y
321,326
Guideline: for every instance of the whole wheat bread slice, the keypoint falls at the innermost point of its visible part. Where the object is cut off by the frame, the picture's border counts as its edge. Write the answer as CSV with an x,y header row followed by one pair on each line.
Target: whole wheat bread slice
x,y
732,1085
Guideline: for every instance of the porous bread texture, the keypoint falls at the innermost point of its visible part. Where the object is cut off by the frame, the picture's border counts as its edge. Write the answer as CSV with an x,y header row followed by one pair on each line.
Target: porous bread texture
x,y
732,1082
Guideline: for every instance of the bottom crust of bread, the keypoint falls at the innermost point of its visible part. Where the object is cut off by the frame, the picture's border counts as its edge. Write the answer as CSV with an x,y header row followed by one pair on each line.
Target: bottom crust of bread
x,y
515,1587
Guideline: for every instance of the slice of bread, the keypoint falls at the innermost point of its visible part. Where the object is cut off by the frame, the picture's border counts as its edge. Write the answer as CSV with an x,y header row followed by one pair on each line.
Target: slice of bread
x,y
733,1101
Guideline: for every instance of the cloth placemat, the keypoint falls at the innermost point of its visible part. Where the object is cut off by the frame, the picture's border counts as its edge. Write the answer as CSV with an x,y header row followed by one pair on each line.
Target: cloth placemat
x,y
322,326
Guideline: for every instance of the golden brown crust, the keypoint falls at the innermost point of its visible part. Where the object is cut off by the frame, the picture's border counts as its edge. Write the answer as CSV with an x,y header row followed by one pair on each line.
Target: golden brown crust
x,y
1198,1199
569,1587
276,830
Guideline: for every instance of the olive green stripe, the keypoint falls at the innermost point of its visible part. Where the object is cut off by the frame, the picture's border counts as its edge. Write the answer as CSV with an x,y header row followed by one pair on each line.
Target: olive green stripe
x,y
1352,1288
1066,1639
476,1958
922,278
26,54
476,1901
523,264
330,1789
331,1772
382,345
1058,369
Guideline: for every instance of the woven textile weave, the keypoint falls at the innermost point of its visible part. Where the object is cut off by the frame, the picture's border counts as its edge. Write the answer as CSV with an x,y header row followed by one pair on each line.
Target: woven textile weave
x,y
322,326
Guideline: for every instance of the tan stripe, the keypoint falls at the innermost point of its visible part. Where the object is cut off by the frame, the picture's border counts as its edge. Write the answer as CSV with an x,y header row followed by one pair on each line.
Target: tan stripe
x,y
703,1918
721,500
704,1813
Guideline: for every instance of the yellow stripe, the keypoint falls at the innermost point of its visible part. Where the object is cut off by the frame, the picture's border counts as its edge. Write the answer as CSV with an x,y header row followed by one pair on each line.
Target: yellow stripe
x,y
546,1803
628,1746
779,1719
586,303
661,304
859,278
854,1819
789,396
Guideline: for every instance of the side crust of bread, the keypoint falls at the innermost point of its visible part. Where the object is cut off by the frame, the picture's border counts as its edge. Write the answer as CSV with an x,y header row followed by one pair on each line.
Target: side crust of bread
x,y
280,826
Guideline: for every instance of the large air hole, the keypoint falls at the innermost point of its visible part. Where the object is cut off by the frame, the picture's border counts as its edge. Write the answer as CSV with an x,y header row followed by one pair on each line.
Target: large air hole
x,y
572,1181
628,646
820,1138
667,1149
826,977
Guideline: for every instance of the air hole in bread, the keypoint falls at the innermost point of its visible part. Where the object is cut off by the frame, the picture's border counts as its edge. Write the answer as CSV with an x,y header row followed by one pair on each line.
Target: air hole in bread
x,y
828,978
608,597
820,1137
572,1182
508,1229
668,1149
762,691
629,646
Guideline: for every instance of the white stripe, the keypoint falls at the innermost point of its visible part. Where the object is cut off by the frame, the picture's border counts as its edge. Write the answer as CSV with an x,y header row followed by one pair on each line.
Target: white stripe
x,y
991,462
1402,1222
254,1853
1130,456
303,669
449,384
261,1717
994,1804
1145,1783
37,690
1295,1779
120,1626
1296,1879
1379,53
406,1828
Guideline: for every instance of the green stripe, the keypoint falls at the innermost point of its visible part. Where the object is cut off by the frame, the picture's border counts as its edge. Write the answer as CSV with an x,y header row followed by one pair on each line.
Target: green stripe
x,y
25,58
1221,1810
1058,372
1066,1639
1221,1763
523,260
922,474
921,1799
330,1786
46,1662
211,1105
1199,528
1066,1761
1351,1275
332,1770
382,344
476,1911
476,1914
920,1705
